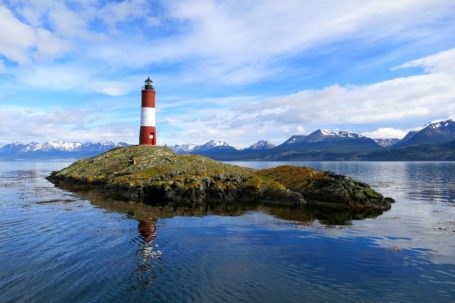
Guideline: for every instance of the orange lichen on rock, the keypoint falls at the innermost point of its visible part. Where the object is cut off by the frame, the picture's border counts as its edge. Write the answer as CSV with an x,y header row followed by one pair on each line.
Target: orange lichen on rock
x,y
293,177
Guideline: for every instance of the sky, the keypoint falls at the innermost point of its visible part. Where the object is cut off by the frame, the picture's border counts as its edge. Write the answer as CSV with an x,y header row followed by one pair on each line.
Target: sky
x,y
237,71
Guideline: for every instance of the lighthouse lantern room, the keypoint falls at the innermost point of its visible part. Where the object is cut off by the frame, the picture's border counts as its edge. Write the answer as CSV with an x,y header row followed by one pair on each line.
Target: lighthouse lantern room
x,y
147,134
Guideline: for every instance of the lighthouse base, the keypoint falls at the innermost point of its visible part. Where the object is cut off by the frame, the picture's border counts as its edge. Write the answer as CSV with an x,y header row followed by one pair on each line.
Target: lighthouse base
x,y
147,135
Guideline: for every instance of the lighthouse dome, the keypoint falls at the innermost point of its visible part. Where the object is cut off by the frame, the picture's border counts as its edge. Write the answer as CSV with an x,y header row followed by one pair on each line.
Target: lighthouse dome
x,y
148,83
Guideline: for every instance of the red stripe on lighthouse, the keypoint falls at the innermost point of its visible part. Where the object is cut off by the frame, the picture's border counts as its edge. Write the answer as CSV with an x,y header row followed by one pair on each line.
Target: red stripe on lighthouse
x,y
147,134
148,98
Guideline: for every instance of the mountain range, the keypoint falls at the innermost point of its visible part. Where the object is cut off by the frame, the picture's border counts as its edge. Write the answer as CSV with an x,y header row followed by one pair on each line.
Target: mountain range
x,y
436,141
55,150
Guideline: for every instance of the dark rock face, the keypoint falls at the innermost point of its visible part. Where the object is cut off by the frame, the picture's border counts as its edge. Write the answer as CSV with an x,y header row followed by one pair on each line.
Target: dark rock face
x,y
328,189
159,176
341,192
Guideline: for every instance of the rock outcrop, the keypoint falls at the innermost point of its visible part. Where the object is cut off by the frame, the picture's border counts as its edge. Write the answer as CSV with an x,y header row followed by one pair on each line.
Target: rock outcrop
x,y
327,188
157,175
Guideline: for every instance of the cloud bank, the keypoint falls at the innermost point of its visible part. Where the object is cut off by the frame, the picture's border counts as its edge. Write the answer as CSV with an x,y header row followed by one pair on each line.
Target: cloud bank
x,y
232,70
423,96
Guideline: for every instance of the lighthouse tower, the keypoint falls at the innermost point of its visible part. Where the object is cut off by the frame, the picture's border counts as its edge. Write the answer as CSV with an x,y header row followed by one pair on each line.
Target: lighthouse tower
x,y
147,135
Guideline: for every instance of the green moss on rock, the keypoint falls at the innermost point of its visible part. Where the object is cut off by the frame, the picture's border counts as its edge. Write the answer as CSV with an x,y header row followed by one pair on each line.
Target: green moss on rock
x,y
157,175
326,188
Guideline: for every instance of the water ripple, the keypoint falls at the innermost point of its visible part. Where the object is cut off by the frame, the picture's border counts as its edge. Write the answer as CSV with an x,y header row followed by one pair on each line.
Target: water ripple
x,y
58,246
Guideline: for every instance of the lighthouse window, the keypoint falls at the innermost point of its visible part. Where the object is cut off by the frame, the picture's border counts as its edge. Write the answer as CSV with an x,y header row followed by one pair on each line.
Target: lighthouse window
x,y
151,136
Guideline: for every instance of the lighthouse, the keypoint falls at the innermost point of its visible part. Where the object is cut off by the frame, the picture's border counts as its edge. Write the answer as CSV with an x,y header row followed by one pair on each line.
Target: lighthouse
x,y
147,134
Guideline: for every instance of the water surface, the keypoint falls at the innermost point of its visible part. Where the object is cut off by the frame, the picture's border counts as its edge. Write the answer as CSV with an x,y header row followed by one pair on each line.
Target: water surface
x,y
60,246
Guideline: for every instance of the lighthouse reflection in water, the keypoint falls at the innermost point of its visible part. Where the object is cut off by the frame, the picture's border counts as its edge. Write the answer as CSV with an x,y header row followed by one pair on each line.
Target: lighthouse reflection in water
x,y
148,251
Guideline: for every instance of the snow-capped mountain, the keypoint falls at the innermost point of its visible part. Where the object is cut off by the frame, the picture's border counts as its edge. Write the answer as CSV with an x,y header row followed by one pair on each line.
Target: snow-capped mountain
x,y
183,148
296,139
435,141
327,135
51,145
261,145
447,125
211,144
386,142
433,133
56,149
325,144
334,145
322,135
203,148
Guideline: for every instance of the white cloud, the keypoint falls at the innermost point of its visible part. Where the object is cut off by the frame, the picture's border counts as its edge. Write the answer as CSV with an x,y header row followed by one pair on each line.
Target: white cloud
x,y
68,23
243,120
66,124
116,12
419,97
227,42
50,29
239,42
443,63
385,133
75,78
232,42
20,42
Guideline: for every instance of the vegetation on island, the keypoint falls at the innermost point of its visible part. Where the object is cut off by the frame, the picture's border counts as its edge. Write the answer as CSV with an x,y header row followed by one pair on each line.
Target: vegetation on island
x,y
156,175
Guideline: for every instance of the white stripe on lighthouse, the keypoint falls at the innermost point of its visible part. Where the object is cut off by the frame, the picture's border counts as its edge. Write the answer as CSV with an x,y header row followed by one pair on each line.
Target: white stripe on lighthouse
x,y
148,116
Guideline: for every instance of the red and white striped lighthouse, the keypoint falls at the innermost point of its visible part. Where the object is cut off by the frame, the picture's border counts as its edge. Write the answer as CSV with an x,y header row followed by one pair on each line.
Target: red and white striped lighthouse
x,y
147,134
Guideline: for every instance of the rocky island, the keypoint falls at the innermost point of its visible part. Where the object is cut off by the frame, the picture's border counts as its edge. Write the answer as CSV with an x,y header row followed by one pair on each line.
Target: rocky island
x,y
158,176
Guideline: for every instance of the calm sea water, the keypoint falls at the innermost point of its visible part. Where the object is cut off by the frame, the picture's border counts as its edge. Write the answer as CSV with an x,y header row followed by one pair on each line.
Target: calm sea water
x,y
58,246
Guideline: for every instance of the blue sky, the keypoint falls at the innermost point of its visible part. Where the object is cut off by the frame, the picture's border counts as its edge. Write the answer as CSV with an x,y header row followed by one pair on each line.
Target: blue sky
x,y
238,71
